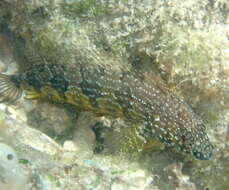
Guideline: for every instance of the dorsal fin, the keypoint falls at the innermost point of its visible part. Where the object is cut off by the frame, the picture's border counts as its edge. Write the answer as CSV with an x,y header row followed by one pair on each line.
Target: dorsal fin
x,y
33,58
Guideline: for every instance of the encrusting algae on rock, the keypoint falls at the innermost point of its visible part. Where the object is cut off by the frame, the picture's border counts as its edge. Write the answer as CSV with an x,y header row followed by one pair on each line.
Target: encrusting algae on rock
x,y
118,94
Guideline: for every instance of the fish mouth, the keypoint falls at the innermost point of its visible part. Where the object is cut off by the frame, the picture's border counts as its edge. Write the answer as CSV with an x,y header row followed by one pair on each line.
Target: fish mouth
x,y
204,155
201,156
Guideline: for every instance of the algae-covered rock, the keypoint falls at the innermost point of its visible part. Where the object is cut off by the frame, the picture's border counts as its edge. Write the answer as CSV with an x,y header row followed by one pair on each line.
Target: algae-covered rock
x,y
12,175
52,120
42,164
184,43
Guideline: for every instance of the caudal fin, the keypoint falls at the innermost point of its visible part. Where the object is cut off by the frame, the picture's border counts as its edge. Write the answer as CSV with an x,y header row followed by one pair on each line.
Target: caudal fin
x,y
9,91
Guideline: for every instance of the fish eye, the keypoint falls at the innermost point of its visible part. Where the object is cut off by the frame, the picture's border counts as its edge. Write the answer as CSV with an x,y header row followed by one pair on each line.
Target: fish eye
x,y
10,156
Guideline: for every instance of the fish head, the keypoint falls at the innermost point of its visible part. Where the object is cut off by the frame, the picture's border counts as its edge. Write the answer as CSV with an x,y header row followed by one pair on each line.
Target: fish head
x,y
196,142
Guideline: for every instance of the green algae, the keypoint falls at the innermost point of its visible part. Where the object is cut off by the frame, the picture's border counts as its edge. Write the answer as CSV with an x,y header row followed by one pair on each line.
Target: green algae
x,y
84,9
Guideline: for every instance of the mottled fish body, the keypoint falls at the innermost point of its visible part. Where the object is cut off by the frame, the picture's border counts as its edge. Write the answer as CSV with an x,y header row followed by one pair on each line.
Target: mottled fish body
x,y
119,94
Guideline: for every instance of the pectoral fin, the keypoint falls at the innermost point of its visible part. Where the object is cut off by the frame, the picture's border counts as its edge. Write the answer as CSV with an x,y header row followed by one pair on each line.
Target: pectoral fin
x,y
9,89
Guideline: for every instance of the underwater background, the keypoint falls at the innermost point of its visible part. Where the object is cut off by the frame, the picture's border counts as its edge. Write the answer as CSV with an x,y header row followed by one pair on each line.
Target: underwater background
x,y
181,46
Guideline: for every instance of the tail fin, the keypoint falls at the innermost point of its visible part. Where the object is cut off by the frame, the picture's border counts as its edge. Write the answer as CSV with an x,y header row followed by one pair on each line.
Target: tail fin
x,y
9,90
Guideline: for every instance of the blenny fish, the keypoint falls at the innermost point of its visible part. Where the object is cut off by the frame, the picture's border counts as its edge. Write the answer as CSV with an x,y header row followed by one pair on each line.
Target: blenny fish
x,y
164,115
